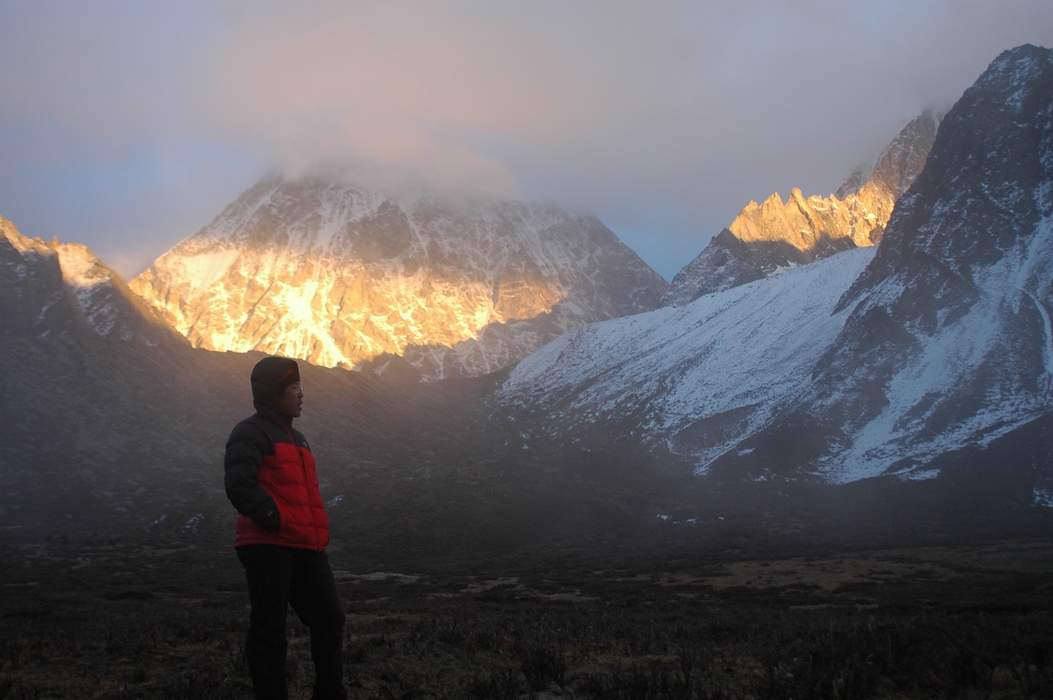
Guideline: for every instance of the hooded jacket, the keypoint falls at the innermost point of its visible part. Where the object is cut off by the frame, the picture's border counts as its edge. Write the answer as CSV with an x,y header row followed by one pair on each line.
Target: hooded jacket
x,y
269,475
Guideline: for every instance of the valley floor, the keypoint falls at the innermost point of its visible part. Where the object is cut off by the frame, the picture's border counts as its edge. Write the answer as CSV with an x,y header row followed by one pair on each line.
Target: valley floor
x,y
111,619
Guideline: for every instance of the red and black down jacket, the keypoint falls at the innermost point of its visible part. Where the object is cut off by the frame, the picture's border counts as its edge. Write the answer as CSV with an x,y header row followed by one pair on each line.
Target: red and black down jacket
x,y
270,478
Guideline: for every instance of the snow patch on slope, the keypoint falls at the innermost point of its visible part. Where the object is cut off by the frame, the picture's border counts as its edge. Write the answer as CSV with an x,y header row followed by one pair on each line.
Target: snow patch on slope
x,y
89,279
732,356
201,271
955,358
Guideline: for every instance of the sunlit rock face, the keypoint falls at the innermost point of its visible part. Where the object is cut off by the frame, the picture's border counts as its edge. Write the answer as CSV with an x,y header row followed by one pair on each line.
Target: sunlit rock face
x,y
906,360
339,276
55,290
773,236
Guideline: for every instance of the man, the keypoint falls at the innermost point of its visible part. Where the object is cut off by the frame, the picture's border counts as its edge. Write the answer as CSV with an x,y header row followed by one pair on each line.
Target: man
x,y
281,536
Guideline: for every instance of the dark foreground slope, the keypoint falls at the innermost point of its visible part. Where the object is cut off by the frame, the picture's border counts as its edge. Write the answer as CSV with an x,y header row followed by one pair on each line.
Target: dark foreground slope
x,y
169,622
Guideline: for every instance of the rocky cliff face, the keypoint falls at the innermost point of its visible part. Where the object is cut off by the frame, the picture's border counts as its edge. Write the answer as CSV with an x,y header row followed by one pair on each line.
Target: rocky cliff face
x,y
339,276
773,236
949,341
940,345
56,289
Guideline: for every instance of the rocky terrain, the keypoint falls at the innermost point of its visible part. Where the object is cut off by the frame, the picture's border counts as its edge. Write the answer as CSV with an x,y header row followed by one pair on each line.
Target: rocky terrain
x,y
49,289
948,342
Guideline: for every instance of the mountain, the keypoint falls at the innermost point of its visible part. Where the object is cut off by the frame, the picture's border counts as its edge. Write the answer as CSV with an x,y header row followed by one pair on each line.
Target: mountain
x,y
925,361
113,423
340,276
697,378
54,288
765,239
948,342
92,384
940,348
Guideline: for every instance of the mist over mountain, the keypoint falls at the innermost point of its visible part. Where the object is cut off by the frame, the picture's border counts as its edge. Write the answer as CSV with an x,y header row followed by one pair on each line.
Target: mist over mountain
x,y
767,238
938,350
338,276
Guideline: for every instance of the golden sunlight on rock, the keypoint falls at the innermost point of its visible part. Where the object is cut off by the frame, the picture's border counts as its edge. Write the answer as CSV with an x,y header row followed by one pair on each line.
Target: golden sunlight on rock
x,y
854,217
332,316
814,222
337,276
768,238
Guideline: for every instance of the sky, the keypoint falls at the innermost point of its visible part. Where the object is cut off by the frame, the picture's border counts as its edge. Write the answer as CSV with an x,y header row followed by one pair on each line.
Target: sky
x,y
129,125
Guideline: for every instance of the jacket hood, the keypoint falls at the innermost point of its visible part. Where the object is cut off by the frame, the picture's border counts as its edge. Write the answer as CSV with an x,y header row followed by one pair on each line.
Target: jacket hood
x,y
270,377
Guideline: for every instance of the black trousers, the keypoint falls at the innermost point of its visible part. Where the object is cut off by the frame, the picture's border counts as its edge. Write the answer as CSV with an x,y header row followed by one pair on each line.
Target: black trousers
x,y
279,577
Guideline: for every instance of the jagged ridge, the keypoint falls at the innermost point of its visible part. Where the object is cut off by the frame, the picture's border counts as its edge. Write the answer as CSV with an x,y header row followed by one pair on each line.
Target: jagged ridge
x,y
50,288
766,238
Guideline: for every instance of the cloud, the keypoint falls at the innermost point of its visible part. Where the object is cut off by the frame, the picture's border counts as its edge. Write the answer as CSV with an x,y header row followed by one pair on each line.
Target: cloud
x,y
665,102
662,118
402,91
107,69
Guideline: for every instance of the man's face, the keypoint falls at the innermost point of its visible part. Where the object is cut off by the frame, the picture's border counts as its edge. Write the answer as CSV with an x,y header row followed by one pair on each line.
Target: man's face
x,y
291,401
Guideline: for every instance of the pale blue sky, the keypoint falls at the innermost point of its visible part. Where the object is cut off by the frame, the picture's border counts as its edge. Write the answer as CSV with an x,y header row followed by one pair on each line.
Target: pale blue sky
x,y
129,125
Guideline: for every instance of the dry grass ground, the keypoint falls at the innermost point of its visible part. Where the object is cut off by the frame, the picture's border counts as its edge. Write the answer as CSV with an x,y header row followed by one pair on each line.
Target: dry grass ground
x,y
123,620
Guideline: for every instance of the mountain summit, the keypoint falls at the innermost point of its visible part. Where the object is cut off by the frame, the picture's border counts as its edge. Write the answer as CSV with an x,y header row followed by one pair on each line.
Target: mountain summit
x,y
339,276
949,341
852,367
767,238
61,290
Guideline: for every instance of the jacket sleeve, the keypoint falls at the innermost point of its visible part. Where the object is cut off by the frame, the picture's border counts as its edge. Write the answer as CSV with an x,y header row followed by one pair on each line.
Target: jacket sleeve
x,y
241,466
